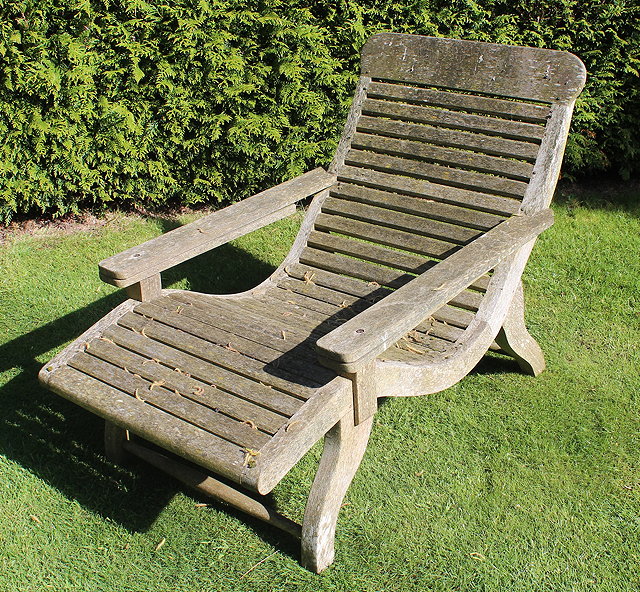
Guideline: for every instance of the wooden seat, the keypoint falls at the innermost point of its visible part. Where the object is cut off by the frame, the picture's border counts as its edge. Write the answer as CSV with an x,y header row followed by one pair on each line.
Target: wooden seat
x,y
405,272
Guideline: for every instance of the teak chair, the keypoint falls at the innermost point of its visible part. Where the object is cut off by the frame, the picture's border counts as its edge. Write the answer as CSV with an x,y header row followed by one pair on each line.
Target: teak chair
x,y
405,272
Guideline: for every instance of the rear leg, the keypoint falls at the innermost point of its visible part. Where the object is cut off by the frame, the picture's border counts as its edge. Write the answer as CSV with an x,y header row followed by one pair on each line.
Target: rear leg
x,y
114,440
344,447
514,338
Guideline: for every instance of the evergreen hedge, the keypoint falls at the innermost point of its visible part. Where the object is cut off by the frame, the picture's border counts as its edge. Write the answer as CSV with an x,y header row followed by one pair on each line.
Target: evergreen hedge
x,y
211,100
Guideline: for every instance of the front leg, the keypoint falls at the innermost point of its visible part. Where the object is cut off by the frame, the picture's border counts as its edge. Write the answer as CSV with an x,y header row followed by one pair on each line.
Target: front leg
x,y
344,447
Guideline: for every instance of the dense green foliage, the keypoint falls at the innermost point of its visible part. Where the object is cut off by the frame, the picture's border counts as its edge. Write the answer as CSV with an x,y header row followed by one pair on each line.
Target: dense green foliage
x,y
192,100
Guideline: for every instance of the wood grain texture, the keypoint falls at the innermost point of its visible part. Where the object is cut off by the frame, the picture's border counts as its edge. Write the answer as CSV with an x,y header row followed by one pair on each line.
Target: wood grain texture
x,y
417,206
457,120
400,221
374,330
190,240
450,157
344,447
452,138
530,112
514,339
436,173
388,181
520,72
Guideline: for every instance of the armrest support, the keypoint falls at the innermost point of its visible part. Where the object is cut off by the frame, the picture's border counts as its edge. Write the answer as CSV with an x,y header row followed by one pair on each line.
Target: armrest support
x,y
174,247
365,336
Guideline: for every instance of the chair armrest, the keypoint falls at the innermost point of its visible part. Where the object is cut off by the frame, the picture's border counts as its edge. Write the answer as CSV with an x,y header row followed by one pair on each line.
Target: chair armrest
x,y
365,336
174,247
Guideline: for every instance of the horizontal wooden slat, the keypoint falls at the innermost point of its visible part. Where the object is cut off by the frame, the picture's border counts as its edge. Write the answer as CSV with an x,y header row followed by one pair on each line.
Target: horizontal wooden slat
x,y
515,130
183,311
337,282
518,72
391,237
234,361
453,316
169,432
354,268
240,385
331,297
399,220
203,392
253,321
452,100
170,402
370,252
251,337
417,206
298,293
436,173
336,302
441,136
476,200
350,285
492,165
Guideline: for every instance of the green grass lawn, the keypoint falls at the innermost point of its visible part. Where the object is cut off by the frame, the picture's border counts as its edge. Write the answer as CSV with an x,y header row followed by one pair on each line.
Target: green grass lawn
x,y
503,482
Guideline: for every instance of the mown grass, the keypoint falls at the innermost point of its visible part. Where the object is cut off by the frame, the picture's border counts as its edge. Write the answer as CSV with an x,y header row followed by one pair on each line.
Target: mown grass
x,y
503,482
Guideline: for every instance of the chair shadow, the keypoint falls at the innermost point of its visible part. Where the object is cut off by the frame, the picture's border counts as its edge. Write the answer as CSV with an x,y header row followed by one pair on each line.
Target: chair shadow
x,y
62,444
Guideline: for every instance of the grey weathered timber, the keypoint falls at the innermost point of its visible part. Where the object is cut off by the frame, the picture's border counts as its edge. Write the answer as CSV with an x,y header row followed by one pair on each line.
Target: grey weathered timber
x,y
405,272
417,206
218,228
530,112
359,340
492,165
452,138
475,200
515,340
481,124
207,485
527,73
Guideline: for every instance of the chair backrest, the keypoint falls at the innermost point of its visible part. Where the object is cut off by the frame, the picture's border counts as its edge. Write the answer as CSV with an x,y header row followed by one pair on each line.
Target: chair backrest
x,y
445,139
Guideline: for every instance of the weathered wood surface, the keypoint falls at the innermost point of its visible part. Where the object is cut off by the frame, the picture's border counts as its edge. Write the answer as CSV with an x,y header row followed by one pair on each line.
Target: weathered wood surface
x,y
190,240
450,157
207,485
527,73
400,221
377,328
515,340
417,206
458,120
476,200
464,179
452,138
146,289
530,112
344,447
165,430
178,379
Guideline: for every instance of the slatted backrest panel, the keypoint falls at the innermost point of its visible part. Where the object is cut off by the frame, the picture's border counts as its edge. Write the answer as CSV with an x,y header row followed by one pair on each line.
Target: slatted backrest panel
x,y
443,150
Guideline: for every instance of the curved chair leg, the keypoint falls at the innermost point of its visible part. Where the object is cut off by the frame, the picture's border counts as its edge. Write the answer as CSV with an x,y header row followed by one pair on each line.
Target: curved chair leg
x,y
344,447
515,340
114,438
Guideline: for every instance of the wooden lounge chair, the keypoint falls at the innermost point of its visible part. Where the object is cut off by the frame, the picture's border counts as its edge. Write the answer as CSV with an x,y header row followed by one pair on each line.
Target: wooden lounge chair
x,y
405,272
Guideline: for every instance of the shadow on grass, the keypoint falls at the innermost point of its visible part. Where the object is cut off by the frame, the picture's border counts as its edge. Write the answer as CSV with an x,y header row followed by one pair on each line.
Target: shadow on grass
x,y
601,193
